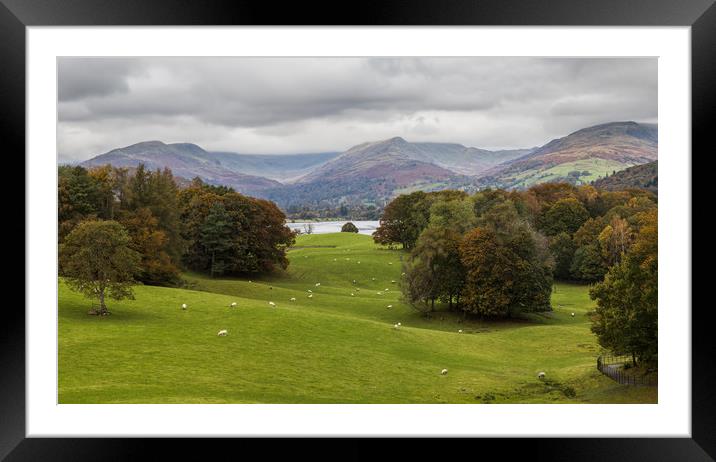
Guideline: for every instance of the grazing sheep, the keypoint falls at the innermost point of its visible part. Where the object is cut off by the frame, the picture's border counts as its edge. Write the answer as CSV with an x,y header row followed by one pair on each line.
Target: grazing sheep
x,y
372,279
386,290
353,295
443,372
390,262
310,291
541,375
318,284
572,314
379,293
402,274
233,304
396,326
183,306
335,259
222,333
399,324
272,304
459,331
354,281
310,295
390,306
393,281
293,299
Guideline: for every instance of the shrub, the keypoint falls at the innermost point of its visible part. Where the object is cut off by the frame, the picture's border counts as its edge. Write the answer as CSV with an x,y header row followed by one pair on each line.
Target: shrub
x,y
349,228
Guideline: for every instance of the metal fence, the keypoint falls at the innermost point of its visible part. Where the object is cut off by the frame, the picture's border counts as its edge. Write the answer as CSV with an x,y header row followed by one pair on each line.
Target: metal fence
x,y
613,367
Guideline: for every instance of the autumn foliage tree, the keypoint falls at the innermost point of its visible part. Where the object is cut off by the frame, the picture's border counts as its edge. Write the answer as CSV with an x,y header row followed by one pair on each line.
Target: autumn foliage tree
x,y
229,233
625,320
503,277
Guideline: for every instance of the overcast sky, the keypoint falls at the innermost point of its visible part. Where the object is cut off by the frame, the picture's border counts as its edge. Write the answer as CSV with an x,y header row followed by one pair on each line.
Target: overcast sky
x,y
291,105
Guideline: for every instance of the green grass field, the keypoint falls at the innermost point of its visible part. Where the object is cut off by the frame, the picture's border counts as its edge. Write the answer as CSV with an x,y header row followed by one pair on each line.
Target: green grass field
x,y
332,348
596,167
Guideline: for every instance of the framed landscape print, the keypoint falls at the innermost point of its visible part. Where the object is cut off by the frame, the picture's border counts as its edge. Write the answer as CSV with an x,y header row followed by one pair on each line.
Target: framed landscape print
x,y
426,222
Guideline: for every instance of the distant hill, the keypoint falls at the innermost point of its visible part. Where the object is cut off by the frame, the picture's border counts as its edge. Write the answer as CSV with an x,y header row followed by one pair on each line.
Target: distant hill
x,y
280,167
644,176
189,160
375,172
581,157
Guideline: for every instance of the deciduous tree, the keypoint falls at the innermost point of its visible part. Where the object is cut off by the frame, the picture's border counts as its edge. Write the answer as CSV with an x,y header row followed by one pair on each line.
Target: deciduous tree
x,y
96,260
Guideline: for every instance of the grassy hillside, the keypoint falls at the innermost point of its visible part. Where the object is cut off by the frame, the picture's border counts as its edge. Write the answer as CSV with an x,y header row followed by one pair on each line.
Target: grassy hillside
x,y
332,348
578,172
580,157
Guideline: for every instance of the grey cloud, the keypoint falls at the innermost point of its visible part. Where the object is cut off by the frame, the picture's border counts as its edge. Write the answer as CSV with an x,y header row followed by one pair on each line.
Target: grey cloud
x,y
297,104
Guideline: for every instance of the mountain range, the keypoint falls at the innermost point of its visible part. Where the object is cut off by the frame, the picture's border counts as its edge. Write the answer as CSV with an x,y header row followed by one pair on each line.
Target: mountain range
x,y
374,172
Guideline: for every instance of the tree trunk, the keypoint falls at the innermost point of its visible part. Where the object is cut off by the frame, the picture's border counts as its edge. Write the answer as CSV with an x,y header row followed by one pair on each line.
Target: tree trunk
x,y
102,306
633,359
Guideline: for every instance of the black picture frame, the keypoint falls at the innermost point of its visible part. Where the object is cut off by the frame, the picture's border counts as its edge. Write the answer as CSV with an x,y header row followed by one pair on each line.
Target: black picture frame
x,y
700,15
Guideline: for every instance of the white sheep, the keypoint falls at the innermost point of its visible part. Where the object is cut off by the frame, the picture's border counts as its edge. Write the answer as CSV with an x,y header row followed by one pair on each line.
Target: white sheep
x,y
293,299
353,295
386,290
272,304
318,284
393,281
222,333
399,324
541,375
233,304
390,306
390,262
335,259
443,372
310,295
459,331
372,279
396,326
310,291
572,314
183,306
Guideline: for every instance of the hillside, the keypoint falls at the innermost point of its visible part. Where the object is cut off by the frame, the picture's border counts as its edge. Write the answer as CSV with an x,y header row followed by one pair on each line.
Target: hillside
x,y
644,176
331,348
185,160
581,157
374,172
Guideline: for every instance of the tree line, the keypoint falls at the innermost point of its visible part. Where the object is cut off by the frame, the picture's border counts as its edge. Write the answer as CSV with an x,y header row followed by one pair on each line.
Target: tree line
x,y
495,254
209,229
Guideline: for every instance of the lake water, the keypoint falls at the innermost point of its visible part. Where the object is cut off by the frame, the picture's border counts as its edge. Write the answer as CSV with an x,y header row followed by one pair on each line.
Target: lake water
x,y
324,227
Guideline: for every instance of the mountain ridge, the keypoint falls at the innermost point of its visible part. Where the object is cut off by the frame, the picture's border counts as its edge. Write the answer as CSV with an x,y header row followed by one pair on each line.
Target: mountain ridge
x,y
375,171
